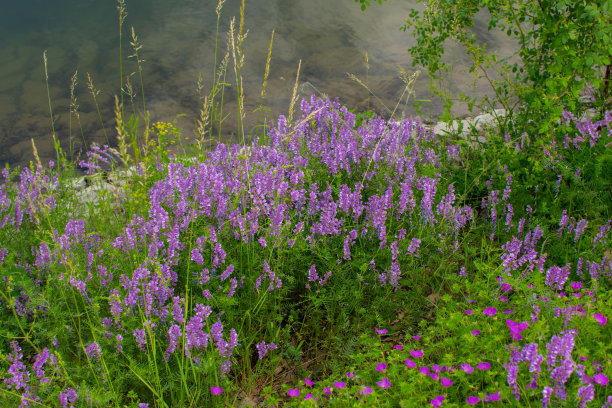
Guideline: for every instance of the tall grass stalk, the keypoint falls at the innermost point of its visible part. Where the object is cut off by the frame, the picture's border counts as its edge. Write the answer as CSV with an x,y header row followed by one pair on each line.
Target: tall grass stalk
x,y
294,94
61,158
74,110
94,94
122,14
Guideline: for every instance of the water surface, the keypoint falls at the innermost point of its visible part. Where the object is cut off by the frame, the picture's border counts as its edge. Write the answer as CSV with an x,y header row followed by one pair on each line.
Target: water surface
x,y
331,38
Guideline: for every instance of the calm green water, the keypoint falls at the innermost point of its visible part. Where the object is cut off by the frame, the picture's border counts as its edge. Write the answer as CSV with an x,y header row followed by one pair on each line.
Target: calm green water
x,y
331,37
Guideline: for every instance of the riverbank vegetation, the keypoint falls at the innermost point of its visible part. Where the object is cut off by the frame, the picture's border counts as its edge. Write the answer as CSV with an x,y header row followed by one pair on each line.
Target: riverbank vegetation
x,y
330,258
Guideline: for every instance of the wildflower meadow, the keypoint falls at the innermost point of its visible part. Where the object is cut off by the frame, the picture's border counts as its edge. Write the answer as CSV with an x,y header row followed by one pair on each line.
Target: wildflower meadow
x,y
335,259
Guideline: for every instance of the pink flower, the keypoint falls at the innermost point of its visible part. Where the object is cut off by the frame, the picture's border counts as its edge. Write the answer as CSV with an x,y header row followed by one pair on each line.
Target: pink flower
x,y
601,319
310,396
483,366
417,337
492,397
434,376
576,285
516,329
293,392
384,383
489,311
503,299
350,374
601,379
216,390
365,390
308,382
380,331
467,368
472,400
424,370
327,390
381,367
339,384
437,402
475,333
468,312
410,363
416,353
446,382
398,347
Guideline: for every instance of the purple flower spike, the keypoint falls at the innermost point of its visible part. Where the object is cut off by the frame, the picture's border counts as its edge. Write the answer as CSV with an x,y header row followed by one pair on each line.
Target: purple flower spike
x,y
384,383
437,402
472,400
601,319
365,390
216,390
293,392
381,366
339,384
446,382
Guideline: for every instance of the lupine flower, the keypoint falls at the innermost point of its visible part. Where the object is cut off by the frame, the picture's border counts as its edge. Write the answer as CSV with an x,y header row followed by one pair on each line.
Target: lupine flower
x,y
263,348
586,393
68,396
384,383
93,350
